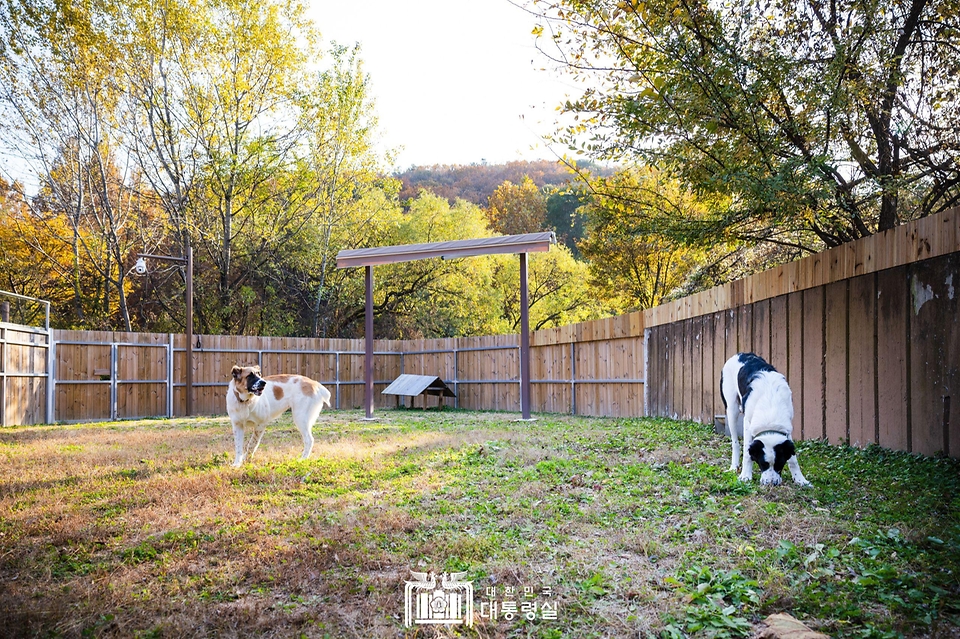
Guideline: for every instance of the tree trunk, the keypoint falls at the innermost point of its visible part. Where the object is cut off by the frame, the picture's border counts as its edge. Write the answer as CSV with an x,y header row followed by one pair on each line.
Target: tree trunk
x,y
226,256
888,210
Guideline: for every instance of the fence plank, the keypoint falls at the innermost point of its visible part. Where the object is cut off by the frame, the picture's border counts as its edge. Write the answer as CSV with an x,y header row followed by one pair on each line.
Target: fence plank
x,y
778,334
952,361
813,360
933,298
863,360
892,381
794,366
697,365
744,316
677,363
660,370
761,329
710,371
720,356
690,367
835,365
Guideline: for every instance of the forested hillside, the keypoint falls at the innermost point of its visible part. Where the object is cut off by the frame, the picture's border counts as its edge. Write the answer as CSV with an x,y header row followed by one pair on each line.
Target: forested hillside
x,y
477,182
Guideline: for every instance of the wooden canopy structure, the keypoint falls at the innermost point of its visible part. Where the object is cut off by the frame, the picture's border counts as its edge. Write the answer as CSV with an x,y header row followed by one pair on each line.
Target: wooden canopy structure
x,y
521,244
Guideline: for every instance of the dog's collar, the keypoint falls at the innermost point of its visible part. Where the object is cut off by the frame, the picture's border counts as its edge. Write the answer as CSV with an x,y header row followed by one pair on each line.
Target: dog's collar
x,y
761,434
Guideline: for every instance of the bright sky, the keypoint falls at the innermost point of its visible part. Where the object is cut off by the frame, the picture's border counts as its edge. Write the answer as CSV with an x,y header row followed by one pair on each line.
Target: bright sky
x,y
455,81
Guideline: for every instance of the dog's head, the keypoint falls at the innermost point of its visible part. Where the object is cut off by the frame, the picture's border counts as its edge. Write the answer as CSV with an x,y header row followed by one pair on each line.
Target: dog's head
x,y
247,380
771,452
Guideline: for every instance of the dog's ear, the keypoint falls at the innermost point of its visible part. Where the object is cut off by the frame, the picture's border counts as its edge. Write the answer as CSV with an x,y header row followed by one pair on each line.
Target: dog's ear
x,y
236,372
783,451
256,369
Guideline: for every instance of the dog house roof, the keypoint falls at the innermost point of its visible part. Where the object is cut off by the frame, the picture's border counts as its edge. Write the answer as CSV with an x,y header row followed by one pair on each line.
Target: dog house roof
x,y
412,385
524,243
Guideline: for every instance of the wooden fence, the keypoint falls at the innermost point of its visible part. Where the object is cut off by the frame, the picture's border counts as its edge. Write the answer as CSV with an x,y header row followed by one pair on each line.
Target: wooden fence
x,y
867,335
107,375
590,368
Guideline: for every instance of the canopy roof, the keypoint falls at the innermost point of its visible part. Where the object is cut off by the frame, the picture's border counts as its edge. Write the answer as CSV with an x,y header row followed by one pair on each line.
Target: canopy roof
x,y
370,257
525,243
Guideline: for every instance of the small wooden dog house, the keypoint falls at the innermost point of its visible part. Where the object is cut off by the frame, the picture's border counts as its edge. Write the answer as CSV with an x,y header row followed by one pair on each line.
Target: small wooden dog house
x,y
413,385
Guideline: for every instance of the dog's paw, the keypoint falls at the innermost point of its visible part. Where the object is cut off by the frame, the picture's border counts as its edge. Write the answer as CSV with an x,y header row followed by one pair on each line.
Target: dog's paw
x,y
770,478
803,484
732,469
744,477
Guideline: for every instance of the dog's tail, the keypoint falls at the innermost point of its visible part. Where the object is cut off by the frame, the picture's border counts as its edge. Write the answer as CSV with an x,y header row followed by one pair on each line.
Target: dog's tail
x,y
325,397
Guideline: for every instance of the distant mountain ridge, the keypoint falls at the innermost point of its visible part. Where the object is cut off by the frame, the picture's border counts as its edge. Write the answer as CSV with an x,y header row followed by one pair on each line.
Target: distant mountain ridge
x,y
477,182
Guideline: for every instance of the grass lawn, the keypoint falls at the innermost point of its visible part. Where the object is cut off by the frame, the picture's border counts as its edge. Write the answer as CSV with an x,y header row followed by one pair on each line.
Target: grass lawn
x,y
630,526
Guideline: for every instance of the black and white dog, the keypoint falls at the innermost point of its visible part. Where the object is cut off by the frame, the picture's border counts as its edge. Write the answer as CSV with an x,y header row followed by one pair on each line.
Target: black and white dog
x,y
760,410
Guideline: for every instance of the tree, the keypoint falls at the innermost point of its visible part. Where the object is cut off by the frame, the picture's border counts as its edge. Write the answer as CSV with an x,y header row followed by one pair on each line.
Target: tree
x,y
217,127
517,208
559,290
819,122
565,217
428,298
59,89
215,113
27,240
106,220
342,164
477,182
632,265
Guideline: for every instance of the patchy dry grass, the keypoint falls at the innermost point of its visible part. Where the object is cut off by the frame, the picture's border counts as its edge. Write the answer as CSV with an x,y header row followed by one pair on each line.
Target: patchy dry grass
x,y
142,529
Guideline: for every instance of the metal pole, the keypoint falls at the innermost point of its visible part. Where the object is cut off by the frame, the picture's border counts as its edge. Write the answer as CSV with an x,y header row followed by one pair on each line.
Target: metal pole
x,y
189,330
3,376
336,360
524,341
170,375
368,344
51,374
573,377
114,368
188,262
5,312
646,371
51,377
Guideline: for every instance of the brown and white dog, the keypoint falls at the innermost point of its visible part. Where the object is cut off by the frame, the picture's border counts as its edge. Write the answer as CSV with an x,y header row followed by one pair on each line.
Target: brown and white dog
x,y
254,401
